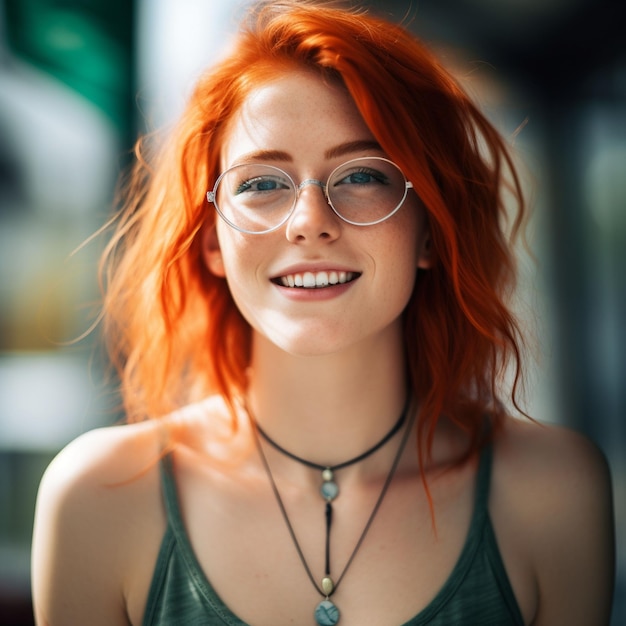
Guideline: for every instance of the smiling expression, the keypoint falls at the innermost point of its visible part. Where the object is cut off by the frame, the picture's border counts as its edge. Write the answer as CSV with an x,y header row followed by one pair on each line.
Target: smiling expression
x,y
316,284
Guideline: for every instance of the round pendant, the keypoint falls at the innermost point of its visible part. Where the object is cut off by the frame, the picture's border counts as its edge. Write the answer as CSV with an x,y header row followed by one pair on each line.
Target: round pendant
x,y
326,613
327,474
329,490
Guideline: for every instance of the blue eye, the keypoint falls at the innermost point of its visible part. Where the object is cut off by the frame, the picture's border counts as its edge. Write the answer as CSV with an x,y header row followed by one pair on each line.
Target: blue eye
x,y
364,177
359,178
261,184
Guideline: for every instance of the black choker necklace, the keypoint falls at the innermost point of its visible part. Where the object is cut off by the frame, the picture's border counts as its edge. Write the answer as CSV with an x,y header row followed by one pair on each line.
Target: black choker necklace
x,y
326,613
329,488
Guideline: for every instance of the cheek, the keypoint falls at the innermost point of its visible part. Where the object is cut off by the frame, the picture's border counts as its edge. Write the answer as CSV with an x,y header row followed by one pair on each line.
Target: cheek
x,y
403,253
395,261
243,257
408,238
233,249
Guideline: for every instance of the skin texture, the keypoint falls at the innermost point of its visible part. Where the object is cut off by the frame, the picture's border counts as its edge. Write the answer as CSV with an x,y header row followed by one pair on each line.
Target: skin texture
x,y
326,375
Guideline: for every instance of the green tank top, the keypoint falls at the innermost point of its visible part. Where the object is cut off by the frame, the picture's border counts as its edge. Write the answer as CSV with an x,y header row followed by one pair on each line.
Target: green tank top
x,y
478,591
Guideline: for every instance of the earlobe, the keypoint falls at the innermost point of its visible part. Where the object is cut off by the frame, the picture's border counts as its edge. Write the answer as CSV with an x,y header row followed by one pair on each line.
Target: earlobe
x,y
212,252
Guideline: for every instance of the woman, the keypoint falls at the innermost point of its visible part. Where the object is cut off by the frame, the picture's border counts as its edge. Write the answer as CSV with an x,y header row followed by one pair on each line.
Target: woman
x,y
319,341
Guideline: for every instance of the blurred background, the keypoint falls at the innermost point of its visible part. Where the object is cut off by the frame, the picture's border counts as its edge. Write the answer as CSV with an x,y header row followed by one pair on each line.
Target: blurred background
x,y
80,79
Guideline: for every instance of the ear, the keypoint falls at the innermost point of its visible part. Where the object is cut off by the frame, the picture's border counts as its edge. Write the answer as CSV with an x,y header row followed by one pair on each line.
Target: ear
x,y
211,251
425,257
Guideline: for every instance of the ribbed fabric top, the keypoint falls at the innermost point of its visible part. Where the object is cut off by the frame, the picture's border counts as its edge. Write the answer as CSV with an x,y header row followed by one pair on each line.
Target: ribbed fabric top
x,y
477,592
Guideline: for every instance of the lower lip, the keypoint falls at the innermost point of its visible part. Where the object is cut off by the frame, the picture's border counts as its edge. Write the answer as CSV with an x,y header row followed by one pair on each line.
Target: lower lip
x,y
315,294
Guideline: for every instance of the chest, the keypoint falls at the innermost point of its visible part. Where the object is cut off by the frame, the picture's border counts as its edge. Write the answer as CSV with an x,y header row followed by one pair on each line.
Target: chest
x,y
265,563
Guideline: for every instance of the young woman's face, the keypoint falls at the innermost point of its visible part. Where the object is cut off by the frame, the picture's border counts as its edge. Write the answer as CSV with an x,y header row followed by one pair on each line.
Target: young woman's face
x,y
308,127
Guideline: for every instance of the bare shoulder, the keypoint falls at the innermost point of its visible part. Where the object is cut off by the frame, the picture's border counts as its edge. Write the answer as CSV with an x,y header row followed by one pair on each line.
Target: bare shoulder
x,y
98,511
109,454
552,504
554,455
103,462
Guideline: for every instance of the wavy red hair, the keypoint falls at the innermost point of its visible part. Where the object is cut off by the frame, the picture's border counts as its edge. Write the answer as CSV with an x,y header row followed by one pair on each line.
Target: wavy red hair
x,y
173,329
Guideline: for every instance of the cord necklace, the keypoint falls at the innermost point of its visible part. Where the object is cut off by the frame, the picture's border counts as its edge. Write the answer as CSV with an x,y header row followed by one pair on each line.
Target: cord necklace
x,y
326,612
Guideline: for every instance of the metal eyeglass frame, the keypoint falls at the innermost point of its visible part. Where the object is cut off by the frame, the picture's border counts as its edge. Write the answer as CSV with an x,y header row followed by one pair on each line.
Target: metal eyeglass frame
x,y
211,195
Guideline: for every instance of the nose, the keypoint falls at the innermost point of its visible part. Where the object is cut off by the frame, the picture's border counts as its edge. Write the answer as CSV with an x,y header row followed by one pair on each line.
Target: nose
x,y
313,219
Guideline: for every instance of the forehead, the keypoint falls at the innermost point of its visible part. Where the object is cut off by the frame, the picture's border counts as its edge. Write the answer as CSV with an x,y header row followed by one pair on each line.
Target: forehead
x,y
298,113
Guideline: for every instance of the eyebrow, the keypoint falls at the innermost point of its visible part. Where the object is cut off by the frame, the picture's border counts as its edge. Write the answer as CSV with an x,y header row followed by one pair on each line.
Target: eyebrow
x,y
350,147
261,156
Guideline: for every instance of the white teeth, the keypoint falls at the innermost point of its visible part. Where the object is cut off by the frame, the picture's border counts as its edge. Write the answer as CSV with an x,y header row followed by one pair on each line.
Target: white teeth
x,y
309,280
321,279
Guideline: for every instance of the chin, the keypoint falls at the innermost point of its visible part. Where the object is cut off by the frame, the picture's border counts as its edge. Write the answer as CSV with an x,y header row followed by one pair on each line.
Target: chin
x,y
308,341
310,346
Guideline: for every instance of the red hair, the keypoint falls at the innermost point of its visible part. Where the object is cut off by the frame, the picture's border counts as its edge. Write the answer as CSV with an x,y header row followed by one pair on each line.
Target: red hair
x,y
173,328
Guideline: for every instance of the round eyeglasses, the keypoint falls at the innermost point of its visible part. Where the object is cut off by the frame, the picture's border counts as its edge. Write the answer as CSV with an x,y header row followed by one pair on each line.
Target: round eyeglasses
x,y
257,199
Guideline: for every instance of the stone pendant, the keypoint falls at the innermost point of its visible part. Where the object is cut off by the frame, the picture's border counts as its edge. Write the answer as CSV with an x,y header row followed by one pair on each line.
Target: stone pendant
x,y
329,488
326,613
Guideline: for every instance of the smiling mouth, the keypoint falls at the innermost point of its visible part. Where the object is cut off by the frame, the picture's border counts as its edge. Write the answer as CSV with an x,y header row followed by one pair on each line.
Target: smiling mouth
x,y
315,280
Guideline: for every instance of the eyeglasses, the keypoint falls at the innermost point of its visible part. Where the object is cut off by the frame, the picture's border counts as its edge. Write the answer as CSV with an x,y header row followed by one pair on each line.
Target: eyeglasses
x,y
257,199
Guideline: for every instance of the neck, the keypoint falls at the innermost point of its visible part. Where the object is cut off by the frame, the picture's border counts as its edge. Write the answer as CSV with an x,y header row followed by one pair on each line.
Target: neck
x,y
328,408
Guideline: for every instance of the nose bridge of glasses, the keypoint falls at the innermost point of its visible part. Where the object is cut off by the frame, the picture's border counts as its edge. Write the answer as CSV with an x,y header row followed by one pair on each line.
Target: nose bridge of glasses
x,y
315,182
311,181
